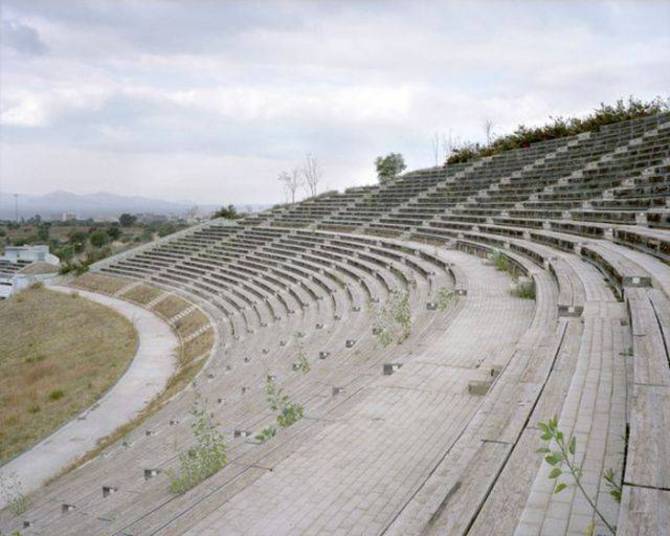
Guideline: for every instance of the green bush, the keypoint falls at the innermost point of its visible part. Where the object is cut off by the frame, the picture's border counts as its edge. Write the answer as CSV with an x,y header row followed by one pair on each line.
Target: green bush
x,y
56,394
98,238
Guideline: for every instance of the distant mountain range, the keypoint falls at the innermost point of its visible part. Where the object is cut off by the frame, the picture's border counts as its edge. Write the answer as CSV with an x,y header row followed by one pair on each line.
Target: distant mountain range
x,y
100,205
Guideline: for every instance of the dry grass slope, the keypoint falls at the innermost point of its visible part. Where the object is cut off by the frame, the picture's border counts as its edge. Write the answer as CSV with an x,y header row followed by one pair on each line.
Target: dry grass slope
x,y
59,354
141,294
101,283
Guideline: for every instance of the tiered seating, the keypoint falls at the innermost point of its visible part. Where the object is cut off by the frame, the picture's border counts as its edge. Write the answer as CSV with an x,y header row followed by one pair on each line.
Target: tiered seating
x,y
436,435
10,268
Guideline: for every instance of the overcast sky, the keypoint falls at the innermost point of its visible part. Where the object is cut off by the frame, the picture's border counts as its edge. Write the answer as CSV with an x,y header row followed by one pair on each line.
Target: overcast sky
x,y
208,101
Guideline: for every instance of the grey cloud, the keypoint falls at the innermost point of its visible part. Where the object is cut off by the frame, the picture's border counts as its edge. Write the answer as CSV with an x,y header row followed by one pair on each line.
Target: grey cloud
x,y
22,38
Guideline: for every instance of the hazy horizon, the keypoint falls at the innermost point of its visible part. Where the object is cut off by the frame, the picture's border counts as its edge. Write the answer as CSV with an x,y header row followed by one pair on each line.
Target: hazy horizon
x,y
209,101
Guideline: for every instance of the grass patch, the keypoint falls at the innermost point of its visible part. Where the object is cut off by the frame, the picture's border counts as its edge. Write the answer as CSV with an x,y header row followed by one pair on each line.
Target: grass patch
x,y
105,284
59,355
141,294
196,347
191,322
171,306
524,289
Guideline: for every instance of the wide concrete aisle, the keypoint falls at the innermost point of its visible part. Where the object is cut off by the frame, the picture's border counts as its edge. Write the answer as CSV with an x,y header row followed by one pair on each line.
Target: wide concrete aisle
x,y
147,375
356,474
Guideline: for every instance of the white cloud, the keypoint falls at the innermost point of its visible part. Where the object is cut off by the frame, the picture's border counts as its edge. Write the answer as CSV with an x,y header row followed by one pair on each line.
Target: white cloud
x,y
217,98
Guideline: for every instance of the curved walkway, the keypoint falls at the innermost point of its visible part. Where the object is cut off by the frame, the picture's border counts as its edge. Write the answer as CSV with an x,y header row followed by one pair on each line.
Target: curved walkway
x,y
146,377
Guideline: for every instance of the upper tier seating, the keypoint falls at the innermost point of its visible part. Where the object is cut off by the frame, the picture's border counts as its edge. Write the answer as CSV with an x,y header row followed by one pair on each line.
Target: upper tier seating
x,y
436,435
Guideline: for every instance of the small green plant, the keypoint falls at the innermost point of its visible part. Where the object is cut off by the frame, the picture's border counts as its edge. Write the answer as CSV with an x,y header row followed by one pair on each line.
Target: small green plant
x,y
11,490
445,297
394,320
56,394
202,460
266,433
34,408
563,462
612,485
302,364
500,261
289,412
524,289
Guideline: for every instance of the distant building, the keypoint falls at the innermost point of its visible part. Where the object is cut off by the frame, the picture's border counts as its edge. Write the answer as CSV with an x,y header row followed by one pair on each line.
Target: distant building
x,y
16,254
152,218
68,216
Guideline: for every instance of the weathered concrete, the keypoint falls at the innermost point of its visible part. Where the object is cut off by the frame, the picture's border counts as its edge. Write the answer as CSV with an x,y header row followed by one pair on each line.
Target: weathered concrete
x,y
146,376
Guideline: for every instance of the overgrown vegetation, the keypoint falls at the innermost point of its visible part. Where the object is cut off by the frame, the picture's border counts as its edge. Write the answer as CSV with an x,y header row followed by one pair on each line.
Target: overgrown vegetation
x,y
559,127
59,355
393,322
205,458
562,458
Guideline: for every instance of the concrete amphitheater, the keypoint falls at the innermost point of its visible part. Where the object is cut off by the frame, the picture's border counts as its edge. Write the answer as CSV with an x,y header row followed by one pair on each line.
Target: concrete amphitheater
x,y
437,435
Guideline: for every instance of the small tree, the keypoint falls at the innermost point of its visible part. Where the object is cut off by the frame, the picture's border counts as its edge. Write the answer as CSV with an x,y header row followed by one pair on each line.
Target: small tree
x,y
98,238
311,173
126,220
488,131
205,458
435,145
291,182
229,213
43,231
114,232
389,167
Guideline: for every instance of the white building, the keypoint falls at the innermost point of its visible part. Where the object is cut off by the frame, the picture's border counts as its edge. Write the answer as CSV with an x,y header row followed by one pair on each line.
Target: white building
x,y
17,259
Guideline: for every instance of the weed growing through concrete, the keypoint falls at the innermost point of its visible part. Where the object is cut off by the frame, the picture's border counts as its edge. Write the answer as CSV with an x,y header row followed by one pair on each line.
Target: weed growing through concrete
x,y
12,492
266,434
393,322
445,297
202,460
302,364
289,412
524,289
564,456
500,261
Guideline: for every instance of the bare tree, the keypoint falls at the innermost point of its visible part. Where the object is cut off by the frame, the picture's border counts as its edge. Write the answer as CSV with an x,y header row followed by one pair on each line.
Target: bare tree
x,y
435,142
449,144
311,173
488,130
291,182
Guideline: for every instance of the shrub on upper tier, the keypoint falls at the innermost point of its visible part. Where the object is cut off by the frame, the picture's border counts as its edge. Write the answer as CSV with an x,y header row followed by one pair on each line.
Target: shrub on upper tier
x,y
560,127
